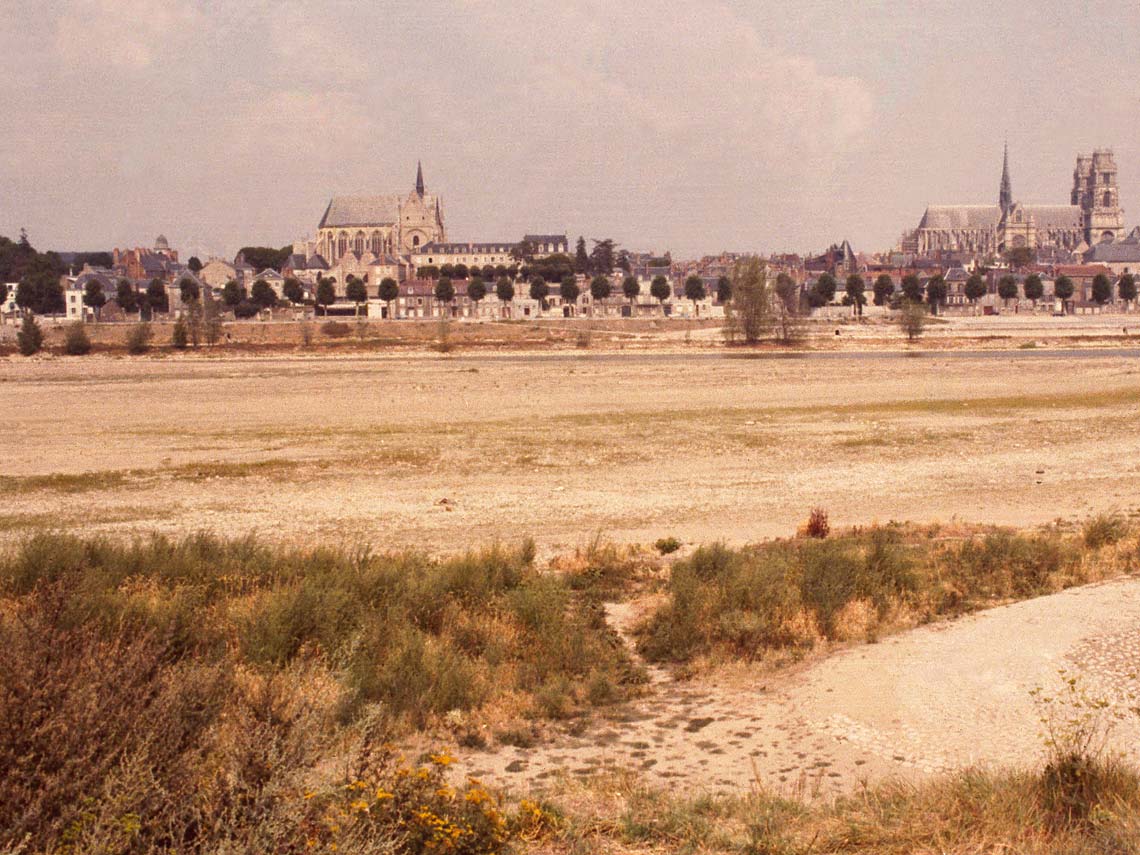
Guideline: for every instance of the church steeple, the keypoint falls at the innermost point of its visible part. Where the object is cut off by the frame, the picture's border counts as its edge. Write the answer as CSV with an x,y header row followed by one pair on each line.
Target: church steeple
x,y
420,179
1005,197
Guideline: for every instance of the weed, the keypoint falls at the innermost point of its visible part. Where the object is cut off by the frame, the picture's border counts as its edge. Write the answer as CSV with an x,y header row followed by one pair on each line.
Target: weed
x,y
667,545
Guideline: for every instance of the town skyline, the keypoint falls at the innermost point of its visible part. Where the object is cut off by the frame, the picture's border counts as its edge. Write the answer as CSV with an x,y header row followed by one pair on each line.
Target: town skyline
x,y
680,139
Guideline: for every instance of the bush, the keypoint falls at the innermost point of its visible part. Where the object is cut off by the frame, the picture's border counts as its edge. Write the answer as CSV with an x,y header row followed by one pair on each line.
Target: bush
x,y
817,524
667,545
246,309
1104,530
75,340
30,338
180,334
335,329
138,338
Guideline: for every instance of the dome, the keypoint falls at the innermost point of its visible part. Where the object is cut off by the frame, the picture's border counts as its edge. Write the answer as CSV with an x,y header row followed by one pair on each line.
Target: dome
x,y
161,243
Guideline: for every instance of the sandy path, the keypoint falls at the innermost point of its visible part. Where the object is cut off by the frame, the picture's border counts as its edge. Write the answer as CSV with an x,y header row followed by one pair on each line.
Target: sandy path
x,y
940,697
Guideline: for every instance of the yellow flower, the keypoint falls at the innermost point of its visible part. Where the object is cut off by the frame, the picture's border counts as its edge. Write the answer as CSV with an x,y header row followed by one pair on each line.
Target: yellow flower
x,y
381,795
442,759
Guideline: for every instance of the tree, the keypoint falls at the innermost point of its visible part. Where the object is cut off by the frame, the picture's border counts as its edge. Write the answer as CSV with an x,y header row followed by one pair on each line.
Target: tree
x,y
1126,288
326,292
660,290
1033,287
156,296
568,289
883,289
623,262
30,338
179,337
1101,289
189,290
212,321
261,257
93,295
751,313
788,319
461,271
246,310
539,290
1007,288
294,291
522,251
788,292
825,287
581,259
1020,256
1063,290
75,340
428,271
695,290
3,292
355,291
600,288
936,293
264,296
975,288
193,313
389,290
912,288
476,291
126,296
505,290
856,290
232,293
912,318
723,290
194,264
631,288
444,290
602,256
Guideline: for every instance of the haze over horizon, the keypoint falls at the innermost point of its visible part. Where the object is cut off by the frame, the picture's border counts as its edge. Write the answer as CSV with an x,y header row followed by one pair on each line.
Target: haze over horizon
x,y
697,128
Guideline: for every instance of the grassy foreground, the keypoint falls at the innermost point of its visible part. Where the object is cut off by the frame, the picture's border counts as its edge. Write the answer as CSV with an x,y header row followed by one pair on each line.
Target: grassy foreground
x,y
211,695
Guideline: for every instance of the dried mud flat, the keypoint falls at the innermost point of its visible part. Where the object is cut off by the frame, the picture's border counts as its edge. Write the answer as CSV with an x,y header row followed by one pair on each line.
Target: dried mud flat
x,y
447,452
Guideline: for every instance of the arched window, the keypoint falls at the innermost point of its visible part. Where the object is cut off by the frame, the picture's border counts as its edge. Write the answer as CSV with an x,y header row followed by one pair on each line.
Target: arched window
x,y
377,243
341,246
358,242
1108,199
416,240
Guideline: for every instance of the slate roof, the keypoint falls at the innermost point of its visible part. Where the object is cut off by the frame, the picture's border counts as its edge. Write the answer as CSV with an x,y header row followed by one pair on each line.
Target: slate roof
x,y
1054,216
1125,251
961,217
362,211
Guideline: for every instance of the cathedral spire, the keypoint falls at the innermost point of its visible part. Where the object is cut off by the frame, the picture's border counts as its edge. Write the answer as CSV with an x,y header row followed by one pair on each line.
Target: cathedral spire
x,y
420,179
1005,197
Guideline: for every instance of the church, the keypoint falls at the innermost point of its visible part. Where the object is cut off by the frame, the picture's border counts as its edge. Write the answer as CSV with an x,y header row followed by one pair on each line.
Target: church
x,y
1093,216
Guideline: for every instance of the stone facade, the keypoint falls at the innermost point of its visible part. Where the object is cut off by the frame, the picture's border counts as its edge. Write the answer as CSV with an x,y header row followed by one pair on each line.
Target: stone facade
x,y
1095,190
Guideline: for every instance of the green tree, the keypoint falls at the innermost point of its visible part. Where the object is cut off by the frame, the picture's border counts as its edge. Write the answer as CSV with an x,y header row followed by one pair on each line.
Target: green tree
x,y
912,288
126,296
1101,289
179,336
3,292
1007,288
936,292
194,264
476,291
600,289
428,271
189,290
581,258
631,288
246,310
294,291
602,256
539,290
461,271
232,293
505,290
156,296
975,288
75,340
752,303
568,290
825,287
1063,289
788,292
444,291
1126,288
723,290
789,322
30,338
1033,287
660,290
883,289
261,257
694,291
264,296
93,295
389,290
355,291
211,321
912,318
856,290
326,292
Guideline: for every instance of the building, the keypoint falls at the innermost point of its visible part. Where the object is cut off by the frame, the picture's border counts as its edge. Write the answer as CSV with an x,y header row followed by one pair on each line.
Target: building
x,y
161,262
1120,257
379,225
1093,216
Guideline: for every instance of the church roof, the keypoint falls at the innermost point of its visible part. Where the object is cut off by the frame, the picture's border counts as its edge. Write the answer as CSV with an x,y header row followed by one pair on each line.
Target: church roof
x,y
961,217
1124,251
1054,216
361,211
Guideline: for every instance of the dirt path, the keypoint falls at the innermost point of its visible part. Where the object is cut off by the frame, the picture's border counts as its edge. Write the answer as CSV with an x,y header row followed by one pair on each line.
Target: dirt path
x,y
937,698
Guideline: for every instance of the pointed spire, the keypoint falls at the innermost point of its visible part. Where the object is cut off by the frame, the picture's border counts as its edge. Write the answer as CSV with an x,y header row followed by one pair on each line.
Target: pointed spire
x,y
420,179
1005,197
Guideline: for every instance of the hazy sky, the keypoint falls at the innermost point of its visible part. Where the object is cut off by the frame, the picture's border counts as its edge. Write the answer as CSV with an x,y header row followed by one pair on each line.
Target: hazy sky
x,y
695,127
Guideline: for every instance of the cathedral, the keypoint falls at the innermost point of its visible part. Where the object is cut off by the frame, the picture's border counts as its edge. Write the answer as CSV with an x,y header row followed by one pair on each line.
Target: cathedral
x,y
378,226
1093,216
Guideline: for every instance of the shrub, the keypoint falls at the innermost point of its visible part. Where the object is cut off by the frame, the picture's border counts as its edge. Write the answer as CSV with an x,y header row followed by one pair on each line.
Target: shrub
x,y
246,309
138,338
180,334
30,338
75,340
1104,530
667,545
817,524
336,329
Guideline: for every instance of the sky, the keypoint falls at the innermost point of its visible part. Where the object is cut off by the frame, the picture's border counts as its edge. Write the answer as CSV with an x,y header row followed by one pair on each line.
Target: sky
x,y
696,127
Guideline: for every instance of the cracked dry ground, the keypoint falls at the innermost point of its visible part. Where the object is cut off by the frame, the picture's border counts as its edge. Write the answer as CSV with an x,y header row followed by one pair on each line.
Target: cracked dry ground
x,y
944,696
